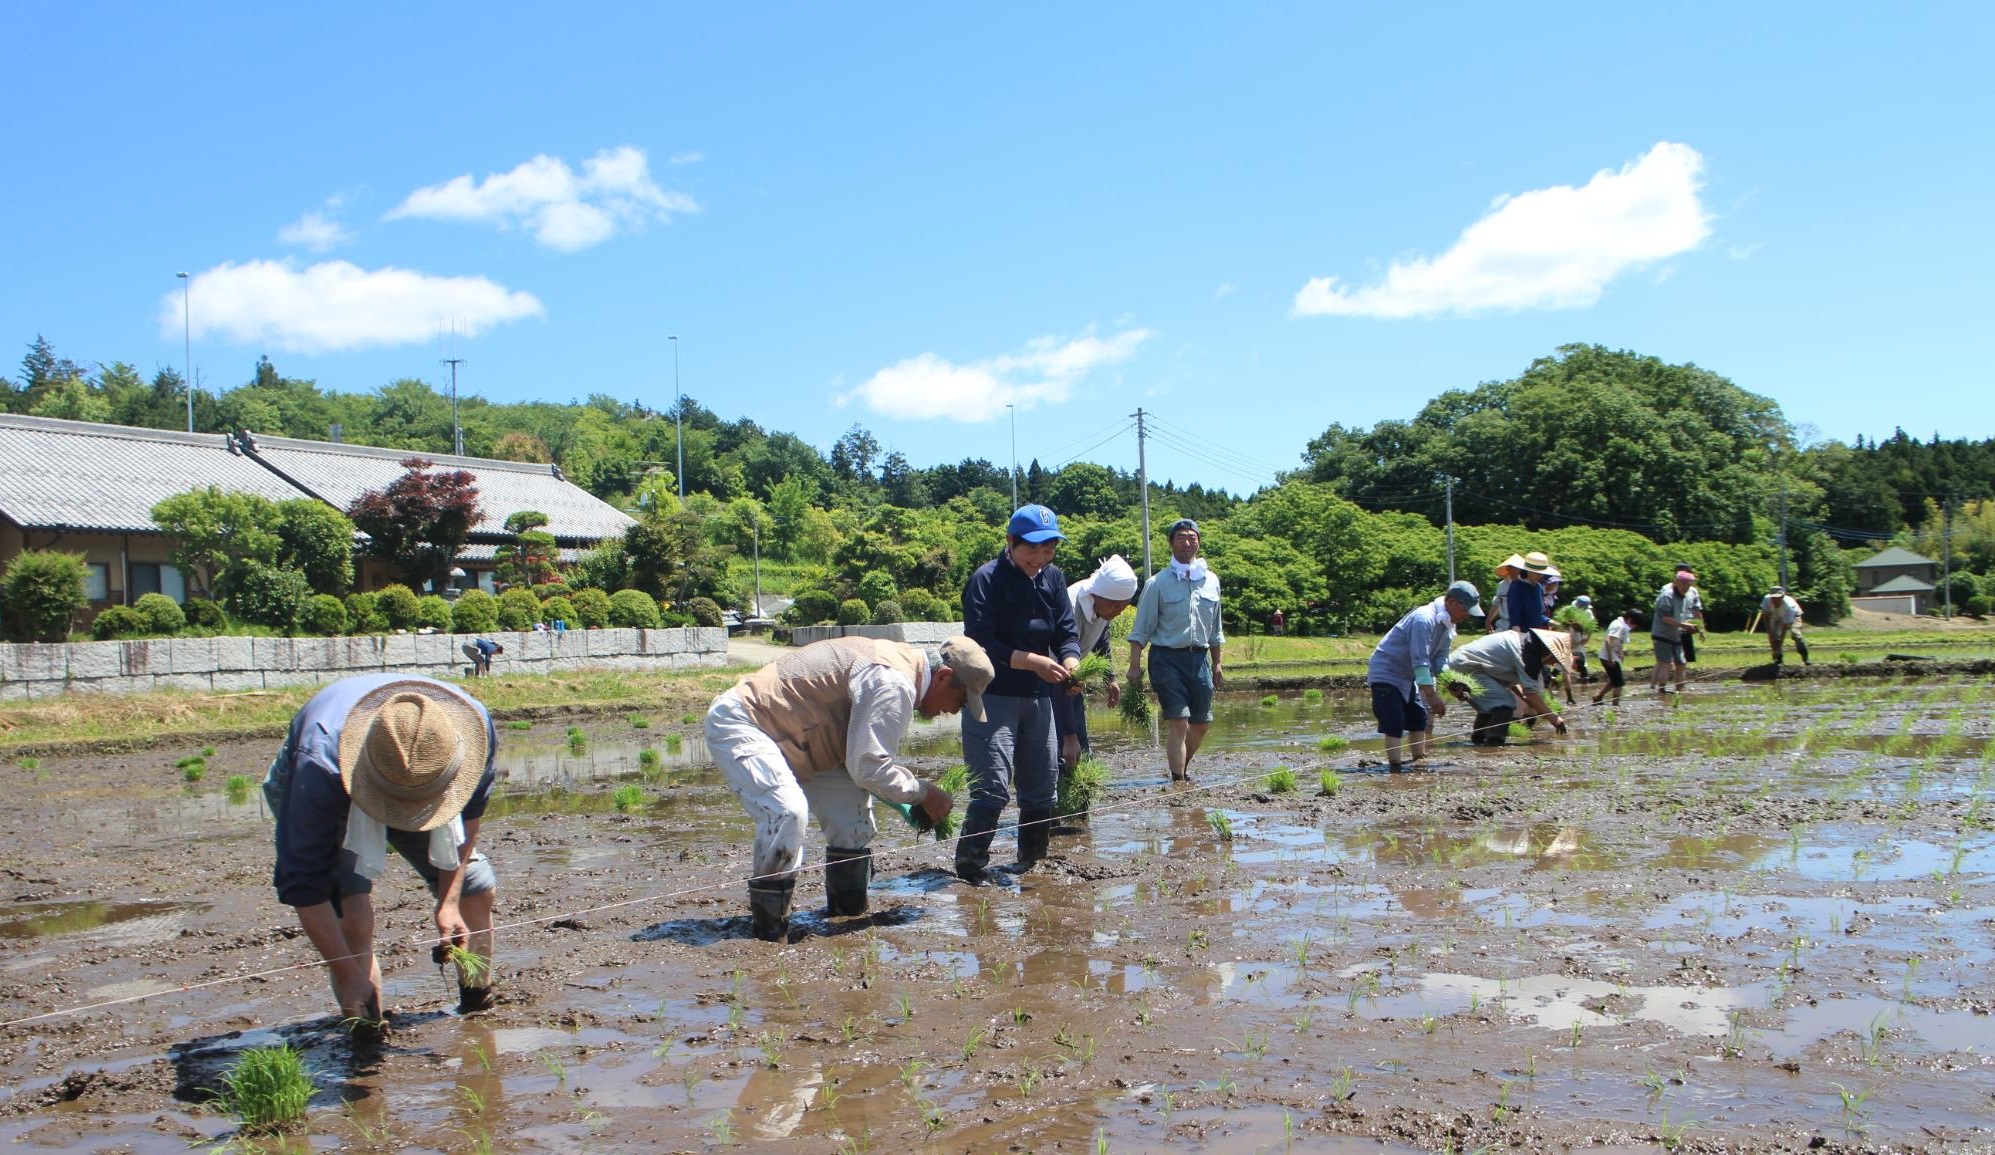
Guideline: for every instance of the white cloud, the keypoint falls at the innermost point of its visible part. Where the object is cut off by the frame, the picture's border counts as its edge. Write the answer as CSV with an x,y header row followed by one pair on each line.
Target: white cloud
x,y
693,157
563,209
315,231
1550,248
927,386
1226,289
337,306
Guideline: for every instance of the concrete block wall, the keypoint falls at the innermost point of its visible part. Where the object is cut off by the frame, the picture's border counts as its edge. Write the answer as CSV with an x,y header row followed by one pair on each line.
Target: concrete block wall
x,y
920,633
208,665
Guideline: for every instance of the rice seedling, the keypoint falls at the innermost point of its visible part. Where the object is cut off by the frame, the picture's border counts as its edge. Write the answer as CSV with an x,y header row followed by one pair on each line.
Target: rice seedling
x,y
640,722
1330,782
473,969
1134,704
974,1040
1333,744
554,1065
266,1091
519,724
627,798
578,739
192,768
911,1073
474,1103
1079,789
1447,680
28,762
1344,1085
1221,824
771,1048
1519,732
689,719
1312,695
722,1126
674,743
828,1096
1091,674
647,759
1270,701
1280,780
237,787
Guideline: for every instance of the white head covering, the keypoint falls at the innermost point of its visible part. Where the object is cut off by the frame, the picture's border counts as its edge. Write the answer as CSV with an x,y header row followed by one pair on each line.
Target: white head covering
x,y
1113,579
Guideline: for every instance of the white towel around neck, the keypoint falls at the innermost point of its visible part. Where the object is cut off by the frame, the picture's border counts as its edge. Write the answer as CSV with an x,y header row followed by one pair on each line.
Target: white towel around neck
x,y
1191,571
367,838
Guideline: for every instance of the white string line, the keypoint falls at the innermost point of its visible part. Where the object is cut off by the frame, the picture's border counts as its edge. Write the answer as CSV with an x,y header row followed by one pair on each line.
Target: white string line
x,y
418,940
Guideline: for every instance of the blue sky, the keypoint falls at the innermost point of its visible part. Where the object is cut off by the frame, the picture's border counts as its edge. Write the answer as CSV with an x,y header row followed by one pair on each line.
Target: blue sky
x,y
1252,221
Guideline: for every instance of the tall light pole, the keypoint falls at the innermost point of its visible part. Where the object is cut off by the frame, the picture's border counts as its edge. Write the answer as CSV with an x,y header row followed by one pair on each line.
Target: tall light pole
x,y
1014,455
187,342
456,430
679,417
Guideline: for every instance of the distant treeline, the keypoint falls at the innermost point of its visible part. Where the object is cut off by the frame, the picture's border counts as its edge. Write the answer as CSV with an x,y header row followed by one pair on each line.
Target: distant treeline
x,y
1619,462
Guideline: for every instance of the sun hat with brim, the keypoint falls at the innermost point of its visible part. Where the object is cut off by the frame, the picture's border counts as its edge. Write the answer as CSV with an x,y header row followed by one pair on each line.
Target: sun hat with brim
x,y
1558,644
411,753
1510,566
1535,562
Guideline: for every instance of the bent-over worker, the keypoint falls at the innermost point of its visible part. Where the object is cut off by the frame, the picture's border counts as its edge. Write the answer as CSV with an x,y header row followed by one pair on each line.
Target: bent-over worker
x,y
1511,669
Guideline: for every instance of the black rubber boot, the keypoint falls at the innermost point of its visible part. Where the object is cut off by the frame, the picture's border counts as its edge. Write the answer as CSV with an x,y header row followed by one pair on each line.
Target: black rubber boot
x,y
769,907
847,873
973,846
1035,831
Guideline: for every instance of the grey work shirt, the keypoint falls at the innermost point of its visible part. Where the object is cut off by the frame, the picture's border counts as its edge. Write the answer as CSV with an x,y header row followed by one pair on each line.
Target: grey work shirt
x,y
1177,613
1679,608
1496,661
309,799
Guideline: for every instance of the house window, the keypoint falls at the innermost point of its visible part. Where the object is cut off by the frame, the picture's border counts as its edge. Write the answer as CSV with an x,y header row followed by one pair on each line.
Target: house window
x,y
97,582
154,578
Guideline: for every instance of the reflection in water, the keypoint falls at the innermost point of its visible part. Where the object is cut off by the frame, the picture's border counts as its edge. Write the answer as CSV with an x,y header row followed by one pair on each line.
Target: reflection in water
x,y
135,922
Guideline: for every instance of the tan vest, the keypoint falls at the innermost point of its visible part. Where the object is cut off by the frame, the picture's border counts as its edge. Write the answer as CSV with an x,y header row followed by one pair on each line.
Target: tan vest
x,y
802,699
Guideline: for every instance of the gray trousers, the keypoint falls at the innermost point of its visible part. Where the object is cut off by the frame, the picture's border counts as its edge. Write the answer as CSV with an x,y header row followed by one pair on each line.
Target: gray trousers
x,y
1013,749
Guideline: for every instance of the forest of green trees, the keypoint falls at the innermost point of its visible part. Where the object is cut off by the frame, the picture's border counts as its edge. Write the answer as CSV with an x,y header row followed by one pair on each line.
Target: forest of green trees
x,y
1616,464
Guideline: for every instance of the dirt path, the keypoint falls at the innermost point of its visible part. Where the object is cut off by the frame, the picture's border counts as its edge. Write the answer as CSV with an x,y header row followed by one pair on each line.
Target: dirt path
x,y
1757,923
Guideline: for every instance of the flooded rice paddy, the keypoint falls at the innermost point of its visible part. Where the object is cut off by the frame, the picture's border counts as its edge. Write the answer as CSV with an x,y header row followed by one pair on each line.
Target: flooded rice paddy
x,y
1757,921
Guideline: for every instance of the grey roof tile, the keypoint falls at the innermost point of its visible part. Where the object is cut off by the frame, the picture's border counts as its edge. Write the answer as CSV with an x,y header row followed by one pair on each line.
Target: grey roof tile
x,y
80,475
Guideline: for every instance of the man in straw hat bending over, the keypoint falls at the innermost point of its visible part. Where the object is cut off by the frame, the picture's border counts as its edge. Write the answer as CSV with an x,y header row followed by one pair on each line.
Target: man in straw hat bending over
x,y
1510,667
815,732
373,762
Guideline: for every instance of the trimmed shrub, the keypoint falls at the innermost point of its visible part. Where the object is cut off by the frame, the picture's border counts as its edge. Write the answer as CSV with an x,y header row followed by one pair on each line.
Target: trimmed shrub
x,y
887,613
203,614
162,615
363,614
675,619
705,611
558,609
811,608
324,616
593,607
434,612
43,591
476,612
518,609
268,595
547,590
919,605
877,586
1981,605
118,622
853,612
633,608
397,606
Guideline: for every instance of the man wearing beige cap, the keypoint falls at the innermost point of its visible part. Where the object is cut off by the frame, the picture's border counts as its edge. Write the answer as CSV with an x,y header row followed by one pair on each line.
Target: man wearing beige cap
x,y
374,762
816,732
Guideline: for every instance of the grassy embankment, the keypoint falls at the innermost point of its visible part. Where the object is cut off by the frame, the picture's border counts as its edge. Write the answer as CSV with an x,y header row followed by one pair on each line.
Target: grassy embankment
x,y
77,722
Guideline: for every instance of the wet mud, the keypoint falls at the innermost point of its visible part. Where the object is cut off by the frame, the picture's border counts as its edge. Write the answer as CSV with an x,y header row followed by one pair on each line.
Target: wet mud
x,y
1756,921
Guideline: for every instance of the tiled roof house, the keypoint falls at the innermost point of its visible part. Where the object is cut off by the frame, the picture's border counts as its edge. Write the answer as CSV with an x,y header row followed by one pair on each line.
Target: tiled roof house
x,y
90,488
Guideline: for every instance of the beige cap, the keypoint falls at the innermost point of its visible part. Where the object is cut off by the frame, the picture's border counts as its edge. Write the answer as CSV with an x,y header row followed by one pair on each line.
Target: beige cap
x,y
973,670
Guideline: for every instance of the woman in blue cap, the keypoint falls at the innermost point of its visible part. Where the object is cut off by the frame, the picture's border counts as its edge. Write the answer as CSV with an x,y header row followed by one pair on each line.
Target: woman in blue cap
x,y
1016,607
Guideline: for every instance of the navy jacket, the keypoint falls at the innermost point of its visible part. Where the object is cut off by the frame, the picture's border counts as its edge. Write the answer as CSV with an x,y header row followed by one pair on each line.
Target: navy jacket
x,y
1527,605
1003,611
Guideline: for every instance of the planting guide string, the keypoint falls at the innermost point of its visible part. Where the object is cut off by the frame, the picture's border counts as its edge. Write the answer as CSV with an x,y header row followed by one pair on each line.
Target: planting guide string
x,y
418,940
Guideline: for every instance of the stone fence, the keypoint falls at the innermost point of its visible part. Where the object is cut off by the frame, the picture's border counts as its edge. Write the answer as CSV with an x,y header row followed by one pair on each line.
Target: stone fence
x,y
39,670
920,633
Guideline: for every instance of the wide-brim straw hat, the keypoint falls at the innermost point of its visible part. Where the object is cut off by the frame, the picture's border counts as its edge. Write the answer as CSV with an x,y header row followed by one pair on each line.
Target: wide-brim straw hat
x,y
411,753
1559,644
1510,566
1537,562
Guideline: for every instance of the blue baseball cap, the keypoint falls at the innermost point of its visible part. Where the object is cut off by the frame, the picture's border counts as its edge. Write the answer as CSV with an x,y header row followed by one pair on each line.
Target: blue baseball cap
x,y
1035,523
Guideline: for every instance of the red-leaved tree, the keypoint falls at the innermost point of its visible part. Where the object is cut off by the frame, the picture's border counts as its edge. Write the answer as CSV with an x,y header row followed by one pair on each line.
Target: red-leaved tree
x,y
419,521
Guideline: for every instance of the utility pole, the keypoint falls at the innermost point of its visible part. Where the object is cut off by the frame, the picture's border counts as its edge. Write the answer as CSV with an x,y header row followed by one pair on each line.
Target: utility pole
x,y
456,430
1449,483
1782,540
1143,487
679,416
1946,556
1013,410
187,342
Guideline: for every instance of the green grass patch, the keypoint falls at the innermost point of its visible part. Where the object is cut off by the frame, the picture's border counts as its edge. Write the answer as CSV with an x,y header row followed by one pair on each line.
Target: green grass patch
x,y
266,1091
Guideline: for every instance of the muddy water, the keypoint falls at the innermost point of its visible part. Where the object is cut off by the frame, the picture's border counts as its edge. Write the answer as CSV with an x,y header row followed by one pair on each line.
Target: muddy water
x,y
1754,922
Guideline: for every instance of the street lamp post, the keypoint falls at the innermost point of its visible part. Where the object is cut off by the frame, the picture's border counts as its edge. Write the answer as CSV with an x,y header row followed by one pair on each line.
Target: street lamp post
x,y
1014,454
187,342
679,418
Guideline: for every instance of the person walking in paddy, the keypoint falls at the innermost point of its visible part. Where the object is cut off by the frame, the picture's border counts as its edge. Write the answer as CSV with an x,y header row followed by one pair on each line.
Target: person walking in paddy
x,y
1402,670
1177,617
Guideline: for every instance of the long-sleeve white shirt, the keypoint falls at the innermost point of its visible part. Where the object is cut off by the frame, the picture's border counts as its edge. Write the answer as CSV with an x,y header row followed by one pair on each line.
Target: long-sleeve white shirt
x,y
882,709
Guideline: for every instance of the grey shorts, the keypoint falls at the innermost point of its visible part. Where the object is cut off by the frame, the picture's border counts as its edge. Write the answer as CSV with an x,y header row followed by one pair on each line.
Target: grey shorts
x,y
1668,653
1183,681
479,877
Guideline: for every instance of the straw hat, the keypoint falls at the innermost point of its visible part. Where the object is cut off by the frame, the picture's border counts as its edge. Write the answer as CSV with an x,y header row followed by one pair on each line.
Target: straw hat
x,y
1538,563
1510,566
411,753
1559,645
